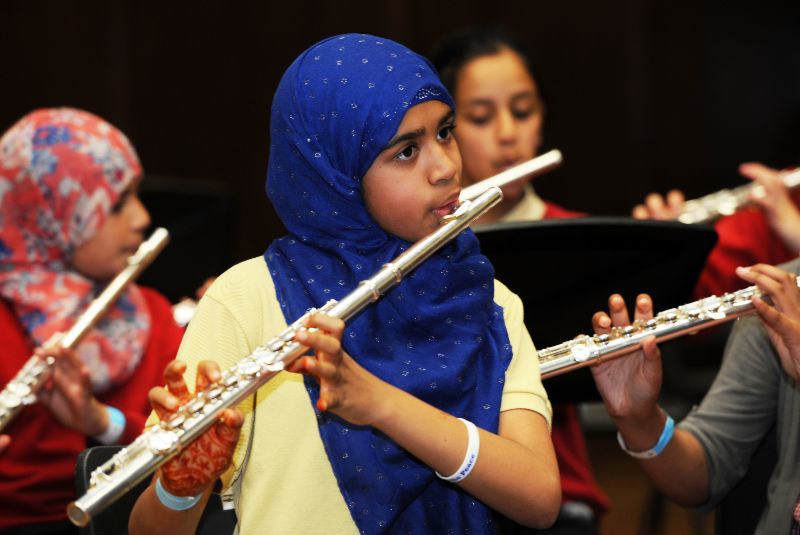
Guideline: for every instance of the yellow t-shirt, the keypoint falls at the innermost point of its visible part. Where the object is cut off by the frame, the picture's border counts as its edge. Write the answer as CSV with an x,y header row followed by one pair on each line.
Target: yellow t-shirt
x,y
288,485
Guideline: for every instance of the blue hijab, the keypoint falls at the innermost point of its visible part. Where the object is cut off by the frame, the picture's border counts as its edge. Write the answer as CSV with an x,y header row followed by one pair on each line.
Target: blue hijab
x,y
438,335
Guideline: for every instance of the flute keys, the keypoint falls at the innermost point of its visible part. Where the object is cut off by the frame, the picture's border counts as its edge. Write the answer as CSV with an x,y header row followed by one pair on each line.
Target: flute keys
x,y
248,368
176,421
214,393
229,380
10,400
582,351
17,394
196,405
162,441
264,356
628,331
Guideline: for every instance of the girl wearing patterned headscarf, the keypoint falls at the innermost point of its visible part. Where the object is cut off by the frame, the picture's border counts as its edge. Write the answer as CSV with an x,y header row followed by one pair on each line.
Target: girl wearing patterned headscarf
x,y
362,162
69,219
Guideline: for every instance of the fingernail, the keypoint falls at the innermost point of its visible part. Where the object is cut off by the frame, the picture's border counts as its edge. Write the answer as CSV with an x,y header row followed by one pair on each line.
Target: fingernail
x,y
302,336
322,405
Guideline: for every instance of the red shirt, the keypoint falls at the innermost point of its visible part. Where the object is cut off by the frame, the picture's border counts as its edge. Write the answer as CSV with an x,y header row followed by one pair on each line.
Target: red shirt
x,y
577,482
745,238
37,470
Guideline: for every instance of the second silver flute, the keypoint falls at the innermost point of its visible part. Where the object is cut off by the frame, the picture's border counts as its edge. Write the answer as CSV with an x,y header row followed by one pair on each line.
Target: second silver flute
x,y
22,388
727,201
162,442
685,319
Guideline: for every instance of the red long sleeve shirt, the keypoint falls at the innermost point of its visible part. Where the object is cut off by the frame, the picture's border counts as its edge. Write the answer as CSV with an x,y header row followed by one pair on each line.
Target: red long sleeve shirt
x,y
37,470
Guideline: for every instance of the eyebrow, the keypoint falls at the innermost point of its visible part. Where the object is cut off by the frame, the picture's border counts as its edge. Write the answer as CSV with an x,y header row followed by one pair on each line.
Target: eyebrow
x,y
414,134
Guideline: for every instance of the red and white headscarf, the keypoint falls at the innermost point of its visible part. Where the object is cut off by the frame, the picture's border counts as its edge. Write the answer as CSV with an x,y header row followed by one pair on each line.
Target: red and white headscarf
x,y
62,170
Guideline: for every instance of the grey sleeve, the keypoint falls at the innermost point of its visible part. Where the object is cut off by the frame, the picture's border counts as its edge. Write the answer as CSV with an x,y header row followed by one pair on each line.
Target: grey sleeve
x,y
740,407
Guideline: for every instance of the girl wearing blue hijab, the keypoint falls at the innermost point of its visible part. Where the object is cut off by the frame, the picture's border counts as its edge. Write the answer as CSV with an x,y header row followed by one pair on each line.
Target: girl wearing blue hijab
x,y
426,412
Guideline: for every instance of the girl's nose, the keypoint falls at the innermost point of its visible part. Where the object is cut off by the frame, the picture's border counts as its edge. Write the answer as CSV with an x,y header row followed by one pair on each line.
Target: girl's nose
x,y
506,127
446,165
139,216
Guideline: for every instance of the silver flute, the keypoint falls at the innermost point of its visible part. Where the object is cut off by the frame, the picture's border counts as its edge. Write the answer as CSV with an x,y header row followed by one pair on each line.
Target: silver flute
x,y
23,387
727,201
686,319
165,440
533,167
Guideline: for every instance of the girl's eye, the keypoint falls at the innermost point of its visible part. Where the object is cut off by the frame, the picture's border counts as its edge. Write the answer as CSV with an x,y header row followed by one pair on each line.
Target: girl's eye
x,y
407,153
523,113
123,199
445,132
480,120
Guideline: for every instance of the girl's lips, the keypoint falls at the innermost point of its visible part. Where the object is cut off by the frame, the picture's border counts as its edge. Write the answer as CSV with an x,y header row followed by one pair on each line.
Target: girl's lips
x,y
507,164
446,209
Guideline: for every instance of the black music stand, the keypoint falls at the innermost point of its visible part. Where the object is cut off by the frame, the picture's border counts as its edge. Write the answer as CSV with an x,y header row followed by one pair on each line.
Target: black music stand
x,y
565,269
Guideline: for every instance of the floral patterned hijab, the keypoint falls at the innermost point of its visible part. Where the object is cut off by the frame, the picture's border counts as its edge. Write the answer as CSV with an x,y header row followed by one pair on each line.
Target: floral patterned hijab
x,y
62,170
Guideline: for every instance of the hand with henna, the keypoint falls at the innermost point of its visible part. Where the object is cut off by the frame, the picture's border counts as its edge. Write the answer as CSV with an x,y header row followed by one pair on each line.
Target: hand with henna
x,y
68,392
781,317
346,389
201,463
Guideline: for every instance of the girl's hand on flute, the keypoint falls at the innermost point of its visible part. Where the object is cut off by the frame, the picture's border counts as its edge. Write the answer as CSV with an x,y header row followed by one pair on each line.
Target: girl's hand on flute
x,y
782,317
629,385
660,208
776,202
5,440
68,392
346,389
200,464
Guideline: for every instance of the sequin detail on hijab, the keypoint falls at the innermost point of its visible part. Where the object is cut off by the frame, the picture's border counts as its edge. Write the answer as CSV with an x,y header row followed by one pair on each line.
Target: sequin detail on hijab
x,y
438,335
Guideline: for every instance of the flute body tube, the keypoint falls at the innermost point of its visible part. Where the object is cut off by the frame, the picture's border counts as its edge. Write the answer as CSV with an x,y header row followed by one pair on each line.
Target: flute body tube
x,y
686,319
165,440
21,390
533,167
728,201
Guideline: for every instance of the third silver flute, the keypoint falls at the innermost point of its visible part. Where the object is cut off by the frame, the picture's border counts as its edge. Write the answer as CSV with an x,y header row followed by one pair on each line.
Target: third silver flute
x,y
672,323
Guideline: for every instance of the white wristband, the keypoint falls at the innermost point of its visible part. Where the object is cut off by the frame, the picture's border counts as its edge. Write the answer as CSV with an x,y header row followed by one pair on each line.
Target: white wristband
x,y
116,426
470,458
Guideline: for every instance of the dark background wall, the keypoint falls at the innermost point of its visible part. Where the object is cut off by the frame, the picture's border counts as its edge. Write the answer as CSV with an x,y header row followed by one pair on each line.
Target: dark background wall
x,y
644,95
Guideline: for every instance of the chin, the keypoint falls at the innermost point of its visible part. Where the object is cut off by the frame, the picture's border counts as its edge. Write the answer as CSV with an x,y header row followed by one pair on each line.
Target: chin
x,y
513,192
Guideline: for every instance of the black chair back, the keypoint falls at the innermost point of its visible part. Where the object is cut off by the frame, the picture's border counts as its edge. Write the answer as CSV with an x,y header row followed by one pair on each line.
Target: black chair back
x,y
114,520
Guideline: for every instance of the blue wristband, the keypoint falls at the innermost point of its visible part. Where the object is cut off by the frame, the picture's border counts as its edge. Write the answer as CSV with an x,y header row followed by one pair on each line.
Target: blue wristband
x,y
176,503
663,440
116,426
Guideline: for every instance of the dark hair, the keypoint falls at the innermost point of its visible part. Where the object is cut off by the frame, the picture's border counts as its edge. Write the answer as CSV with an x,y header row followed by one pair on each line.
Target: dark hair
x,y
456,49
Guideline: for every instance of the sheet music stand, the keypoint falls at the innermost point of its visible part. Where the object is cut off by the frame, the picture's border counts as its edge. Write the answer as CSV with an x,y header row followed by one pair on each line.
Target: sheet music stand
x,y
565,269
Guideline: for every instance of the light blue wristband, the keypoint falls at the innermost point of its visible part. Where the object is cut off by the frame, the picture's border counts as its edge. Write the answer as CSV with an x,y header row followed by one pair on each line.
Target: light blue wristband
x,y
176,503
663,440
116,426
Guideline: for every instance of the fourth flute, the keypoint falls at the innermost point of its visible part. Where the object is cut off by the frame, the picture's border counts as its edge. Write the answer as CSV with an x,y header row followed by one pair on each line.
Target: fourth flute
x,y
685,319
